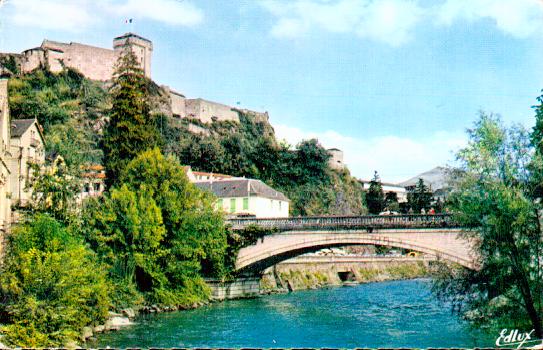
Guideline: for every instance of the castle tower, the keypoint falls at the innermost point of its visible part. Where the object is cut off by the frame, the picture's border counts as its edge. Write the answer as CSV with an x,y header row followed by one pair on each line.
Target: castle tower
x,y
336,159
142,48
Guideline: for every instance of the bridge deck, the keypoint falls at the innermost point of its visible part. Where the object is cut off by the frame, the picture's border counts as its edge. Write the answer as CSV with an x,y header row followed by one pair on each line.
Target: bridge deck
x,y
347,222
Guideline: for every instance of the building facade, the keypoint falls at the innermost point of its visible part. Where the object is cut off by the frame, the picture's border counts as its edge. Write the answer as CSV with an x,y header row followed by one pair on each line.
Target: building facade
x,y
247,197
93,182
5,130
27,148
400,191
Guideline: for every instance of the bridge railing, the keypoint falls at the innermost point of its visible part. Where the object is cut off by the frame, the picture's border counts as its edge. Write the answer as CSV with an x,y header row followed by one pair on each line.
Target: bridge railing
x,y
347,222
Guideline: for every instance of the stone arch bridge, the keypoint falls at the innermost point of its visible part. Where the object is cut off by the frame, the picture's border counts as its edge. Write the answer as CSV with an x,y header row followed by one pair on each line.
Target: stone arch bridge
x,y
437,235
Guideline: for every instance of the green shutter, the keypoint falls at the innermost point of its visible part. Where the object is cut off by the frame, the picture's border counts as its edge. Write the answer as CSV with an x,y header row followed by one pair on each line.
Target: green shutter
x,y
219,203
245,203
232,205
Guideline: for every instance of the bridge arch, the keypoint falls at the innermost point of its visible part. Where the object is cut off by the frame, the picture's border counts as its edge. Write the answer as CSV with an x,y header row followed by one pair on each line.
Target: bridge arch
x,y
446,244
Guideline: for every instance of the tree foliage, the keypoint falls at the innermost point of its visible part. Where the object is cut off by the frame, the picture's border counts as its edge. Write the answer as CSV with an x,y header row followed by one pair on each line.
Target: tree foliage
x,y
493,197
159,231
419,198
54,190
375,198
131,128
68,106
51,285
249,149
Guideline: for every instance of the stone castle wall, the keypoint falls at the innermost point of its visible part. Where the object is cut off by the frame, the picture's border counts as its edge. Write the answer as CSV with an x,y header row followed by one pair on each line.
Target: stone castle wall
x,y
336,159
208,112
95,63
177,103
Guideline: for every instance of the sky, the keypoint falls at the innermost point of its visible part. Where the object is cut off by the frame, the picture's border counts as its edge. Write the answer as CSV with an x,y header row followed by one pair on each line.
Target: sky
x,y
393,83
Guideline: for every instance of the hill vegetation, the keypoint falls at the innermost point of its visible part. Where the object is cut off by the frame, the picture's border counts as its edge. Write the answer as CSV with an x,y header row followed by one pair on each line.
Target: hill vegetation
x,y
73,111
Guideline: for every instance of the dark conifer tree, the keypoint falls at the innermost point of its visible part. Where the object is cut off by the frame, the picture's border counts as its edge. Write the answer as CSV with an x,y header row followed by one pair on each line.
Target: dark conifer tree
x,y
131,128
375,198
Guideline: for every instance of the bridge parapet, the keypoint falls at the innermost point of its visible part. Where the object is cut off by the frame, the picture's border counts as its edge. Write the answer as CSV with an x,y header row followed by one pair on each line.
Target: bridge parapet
x,y
368,222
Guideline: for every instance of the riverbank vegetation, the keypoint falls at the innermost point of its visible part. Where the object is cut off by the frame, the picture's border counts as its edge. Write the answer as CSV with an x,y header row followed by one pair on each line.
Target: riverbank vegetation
x,y
496,195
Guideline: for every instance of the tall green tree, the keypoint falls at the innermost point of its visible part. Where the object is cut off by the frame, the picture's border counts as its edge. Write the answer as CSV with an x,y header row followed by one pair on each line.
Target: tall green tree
x,y
126,229
159,231
492,197
375,198
131,128
420,197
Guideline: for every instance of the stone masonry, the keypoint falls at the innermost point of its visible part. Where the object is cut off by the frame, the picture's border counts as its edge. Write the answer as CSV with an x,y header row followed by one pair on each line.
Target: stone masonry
x,y
95,63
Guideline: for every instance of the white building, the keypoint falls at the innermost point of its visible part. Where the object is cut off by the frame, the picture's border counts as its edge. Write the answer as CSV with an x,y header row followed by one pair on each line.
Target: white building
x,y
400,191
27,147
239,197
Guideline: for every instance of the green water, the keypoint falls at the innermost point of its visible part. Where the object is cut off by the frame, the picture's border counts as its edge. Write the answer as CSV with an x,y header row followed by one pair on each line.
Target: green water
x,y
385,314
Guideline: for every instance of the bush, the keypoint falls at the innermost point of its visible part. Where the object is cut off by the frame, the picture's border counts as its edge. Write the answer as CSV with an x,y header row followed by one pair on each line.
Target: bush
x,y
159,232
50,285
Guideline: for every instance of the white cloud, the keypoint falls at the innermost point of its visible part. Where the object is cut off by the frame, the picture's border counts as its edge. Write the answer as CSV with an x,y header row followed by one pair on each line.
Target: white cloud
x,y
51,14
519,18
395,158
172,12
79,15
390,21
394,21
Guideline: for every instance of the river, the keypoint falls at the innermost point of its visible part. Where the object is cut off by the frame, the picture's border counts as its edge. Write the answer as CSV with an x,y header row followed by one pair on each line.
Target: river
x,y
384,314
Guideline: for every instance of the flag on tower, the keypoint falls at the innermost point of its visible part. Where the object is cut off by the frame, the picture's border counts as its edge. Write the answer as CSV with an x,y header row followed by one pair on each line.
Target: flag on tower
x,y
128,21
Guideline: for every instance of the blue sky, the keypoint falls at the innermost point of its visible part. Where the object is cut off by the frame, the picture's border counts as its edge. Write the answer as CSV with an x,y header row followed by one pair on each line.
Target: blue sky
x,y
394,83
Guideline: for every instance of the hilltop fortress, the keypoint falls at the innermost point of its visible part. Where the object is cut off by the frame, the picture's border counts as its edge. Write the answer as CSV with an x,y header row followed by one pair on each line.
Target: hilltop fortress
x,y
95,63
98,63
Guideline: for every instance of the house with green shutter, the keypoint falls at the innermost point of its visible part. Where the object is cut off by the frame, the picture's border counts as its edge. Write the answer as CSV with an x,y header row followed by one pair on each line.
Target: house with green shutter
x,y
247,197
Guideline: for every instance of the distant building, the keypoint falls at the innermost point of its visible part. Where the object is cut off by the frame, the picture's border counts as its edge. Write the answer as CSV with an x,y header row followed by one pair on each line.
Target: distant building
x,y
27,147
437,180
238,197
336,159
400,191
93,182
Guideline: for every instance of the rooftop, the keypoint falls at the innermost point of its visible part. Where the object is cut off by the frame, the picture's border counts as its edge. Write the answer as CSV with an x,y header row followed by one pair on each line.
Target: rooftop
x,y
131,35
241,188
20,126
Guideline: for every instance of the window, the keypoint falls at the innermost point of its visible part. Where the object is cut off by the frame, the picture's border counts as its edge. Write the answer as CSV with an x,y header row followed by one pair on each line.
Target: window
x,y
280,205
87,188
232,205
97,187
219,203
245,203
